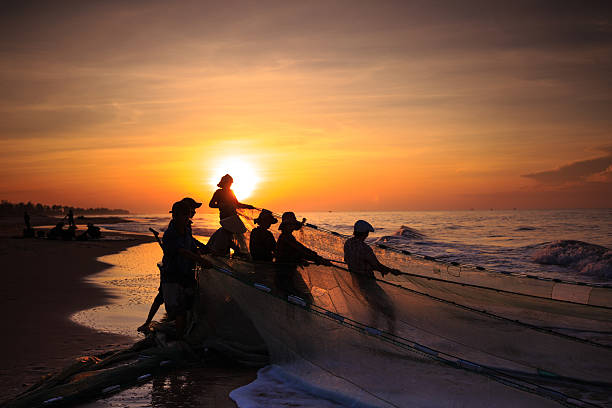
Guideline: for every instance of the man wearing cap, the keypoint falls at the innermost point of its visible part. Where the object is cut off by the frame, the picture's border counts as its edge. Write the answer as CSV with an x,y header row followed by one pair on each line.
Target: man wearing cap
x,y
262,243
359,256
362,263
193,205
177,274
159,299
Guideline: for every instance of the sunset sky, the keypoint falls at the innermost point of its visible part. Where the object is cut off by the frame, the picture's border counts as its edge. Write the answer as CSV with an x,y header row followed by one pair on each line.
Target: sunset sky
x,y
329,105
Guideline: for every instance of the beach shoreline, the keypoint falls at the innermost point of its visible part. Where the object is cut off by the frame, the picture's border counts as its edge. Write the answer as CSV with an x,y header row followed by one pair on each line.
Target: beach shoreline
x,y
43,286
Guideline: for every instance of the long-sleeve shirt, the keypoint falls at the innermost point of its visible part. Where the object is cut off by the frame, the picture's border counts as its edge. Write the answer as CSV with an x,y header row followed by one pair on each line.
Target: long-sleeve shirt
x,y
177,267
289,250
360,257
225,200
262,244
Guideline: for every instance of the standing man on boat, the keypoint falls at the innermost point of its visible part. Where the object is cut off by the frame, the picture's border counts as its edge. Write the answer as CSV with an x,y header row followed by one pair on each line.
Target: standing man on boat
x,y
177,275
362,263
225,200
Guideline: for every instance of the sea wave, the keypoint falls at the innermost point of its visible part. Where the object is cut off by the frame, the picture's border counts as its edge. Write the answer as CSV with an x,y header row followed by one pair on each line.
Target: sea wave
x,y
409,233
588,259
274,387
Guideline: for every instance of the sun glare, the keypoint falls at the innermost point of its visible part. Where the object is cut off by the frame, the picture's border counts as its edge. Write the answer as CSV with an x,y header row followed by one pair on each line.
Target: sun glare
x,y
245,176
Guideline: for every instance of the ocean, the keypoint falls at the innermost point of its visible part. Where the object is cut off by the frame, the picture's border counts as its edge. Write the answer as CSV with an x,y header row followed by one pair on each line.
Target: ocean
x,y
565,244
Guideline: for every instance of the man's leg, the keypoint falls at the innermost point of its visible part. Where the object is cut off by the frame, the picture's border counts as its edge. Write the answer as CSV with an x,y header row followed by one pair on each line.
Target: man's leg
x,y
157,302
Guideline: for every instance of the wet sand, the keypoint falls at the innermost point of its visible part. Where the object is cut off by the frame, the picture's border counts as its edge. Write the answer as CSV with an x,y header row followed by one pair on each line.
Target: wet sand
x,y
132,278
202,387
42,287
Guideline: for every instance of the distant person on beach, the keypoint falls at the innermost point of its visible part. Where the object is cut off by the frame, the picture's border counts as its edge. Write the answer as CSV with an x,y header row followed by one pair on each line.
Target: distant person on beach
x,y
225,200
57,231
262,243
70,217
26,220
28,231
290,254
362,263
69,233
92,232
177,275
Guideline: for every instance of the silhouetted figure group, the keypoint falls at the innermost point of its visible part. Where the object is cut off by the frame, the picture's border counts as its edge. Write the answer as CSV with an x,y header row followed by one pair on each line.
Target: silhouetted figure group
x,y
182,252
69,234
59,232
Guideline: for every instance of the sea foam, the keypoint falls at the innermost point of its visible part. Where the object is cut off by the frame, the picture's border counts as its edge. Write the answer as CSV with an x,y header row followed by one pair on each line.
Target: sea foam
x,y
585,258
274,387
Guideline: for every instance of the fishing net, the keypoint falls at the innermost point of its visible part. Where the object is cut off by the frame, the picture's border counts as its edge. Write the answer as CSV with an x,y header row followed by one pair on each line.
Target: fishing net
x,y
422,340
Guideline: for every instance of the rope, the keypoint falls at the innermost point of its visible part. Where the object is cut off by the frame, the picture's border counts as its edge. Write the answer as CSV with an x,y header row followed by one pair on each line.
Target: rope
x,y
448,263
484,312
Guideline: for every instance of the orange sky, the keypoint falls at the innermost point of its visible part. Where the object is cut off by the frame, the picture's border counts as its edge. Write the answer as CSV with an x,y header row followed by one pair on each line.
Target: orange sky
x,y
335,105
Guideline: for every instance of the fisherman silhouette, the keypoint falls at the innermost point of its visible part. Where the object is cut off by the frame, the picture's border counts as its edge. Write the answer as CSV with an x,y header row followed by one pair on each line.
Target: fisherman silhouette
x,y
362,263
225,200
57,231
26,219
28,231
93,231
70,217
290,254
177,274
192,205
262,243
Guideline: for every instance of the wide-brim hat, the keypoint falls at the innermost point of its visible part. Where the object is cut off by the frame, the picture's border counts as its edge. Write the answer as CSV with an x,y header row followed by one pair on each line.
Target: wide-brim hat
x,y
224,180
289,221
191,202
265,215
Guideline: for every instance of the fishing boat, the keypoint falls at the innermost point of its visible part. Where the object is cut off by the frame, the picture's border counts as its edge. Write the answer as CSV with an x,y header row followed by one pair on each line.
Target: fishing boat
x,y
460,336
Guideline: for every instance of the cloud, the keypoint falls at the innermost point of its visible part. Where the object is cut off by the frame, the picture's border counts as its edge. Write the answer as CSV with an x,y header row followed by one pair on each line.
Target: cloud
x,y
592,170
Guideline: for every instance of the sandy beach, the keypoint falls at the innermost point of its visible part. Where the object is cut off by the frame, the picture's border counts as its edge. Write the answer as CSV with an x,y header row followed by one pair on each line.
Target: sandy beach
x,y
42,286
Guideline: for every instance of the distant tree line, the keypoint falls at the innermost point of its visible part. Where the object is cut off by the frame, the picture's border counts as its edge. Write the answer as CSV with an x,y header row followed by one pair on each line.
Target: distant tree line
x,y
7,208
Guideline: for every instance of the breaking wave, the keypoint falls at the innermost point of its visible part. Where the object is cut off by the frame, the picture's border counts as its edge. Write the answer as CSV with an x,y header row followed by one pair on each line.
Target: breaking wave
x,y
588,259
409,233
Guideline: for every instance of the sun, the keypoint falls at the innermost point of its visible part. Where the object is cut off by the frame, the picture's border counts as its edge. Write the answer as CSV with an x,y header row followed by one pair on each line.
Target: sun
x,y
244,175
